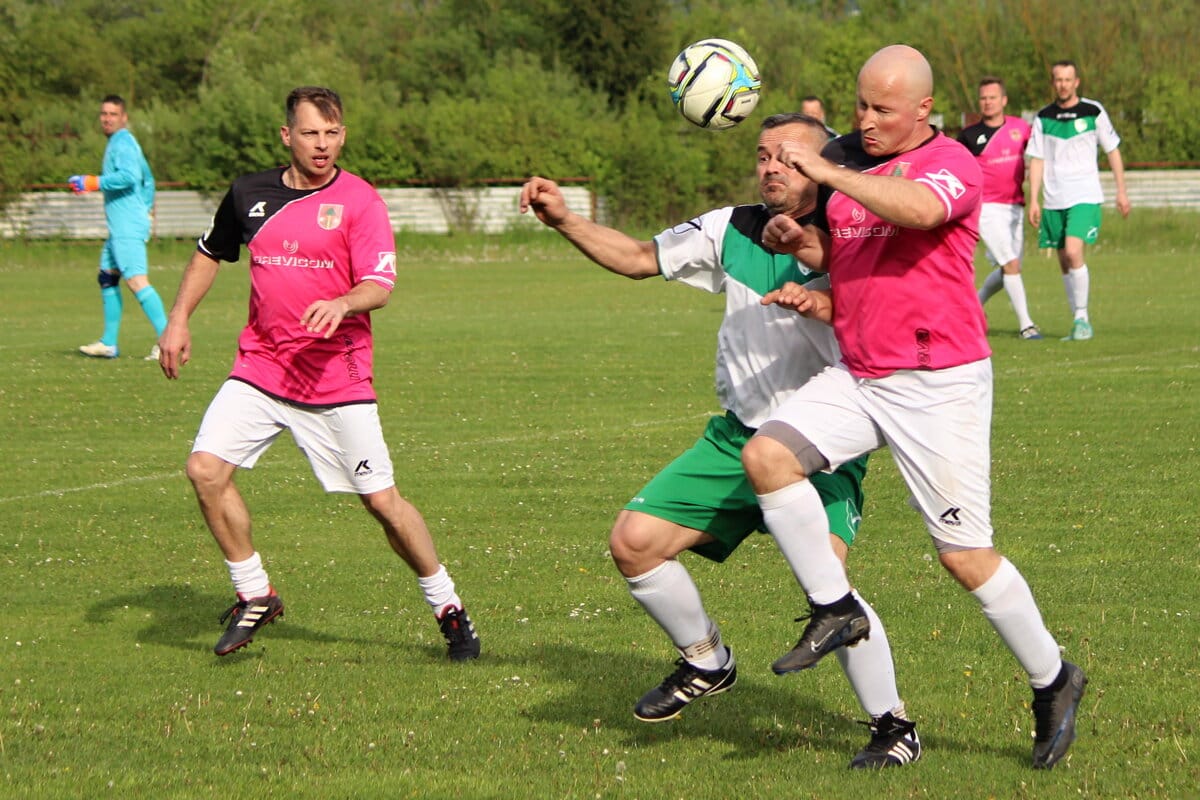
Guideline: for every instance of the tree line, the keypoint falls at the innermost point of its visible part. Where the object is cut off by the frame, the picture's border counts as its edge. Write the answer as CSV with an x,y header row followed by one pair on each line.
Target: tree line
x,y
459,92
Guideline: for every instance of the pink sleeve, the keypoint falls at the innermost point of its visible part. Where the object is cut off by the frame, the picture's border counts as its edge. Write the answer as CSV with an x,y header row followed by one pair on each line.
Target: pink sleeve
x,y
954,176
373,245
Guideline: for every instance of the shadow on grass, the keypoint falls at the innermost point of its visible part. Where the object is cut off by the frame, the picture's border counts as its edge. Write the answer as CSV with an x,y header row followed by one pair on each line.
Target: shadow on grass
x,y
761,713
179,616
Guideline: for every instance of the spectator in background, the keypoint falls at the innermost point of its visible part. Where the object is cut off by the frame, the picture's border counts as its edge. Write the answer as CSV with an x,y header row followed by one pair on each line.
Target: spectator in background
x,y
998,142
813,107
1062,162
128,186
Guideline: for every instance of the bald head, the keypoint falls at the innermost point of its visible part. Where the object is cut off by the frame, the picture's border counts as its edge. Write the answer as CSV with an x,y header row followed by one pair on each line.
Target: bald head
x,y
895,96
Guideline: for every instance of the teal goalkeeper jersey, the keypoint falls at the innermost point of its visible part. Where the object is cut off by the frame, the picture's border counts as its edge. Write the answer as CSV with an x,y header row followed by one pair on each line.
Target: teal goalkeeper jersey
x,y
128,187
764,353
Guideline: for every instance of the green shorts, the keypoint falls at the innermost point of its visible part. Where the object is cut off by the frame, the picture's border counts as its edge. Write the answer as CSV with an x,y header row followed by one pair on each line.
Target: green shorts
x,y
1081,221
706,489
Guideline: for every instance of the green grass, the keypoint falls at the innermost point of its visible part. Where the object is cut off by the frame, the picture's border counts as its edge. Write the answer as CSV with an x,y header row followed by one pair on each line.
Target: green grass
x,y
526,395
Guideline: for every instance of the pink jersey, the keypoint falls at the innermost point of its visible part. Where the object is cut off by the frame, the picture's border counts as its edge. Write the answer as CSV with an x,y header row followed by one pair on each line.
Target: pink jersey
x,y
905,298
1001,154
305,246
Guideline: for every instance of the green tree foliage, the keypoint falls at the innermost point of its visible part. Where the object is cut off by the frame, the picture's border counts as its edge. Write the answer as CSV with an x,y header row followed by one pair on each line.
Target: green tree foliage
x,y
458,92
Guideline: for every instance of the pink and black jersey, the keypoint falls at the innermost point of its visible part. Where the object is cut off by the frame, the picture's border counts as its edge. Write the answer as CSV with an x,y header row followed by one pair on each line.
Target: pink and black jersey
x,y
305,245
905,298
1001,155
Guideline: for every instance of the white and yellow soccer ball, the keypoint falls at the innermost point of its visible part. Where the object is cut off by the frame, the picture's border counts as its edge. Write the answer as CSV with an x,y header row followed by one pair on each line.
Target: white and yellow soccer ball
x,y
714,83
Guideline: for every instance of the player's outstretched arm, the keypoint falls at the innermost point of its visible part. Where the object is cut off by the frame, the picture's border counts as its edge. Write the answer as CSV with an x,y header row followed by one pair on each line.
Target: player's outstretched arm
x,y
610,248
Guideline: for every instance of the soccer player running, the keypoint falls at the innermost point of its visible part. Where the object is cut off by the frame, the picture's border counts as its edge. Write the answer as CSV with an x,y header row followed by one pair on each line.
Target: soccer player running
x,y
1062,163
998,142
702,501
128,186
322,257
898,239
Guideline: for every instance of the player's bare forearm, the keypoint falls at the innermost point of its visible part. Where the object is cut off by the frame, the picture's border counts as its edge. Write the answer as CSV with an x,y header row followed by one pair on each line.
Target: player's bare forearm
x,y
325,315
611,249
900,201
615,251
198,278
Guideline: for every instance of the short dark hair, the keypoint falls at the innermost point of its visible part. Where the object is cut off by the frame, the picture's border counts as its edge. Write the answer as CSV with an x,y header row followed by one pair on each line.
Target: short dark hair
x,y
987,80
812,98
326,100
115,99
795,118
1065,63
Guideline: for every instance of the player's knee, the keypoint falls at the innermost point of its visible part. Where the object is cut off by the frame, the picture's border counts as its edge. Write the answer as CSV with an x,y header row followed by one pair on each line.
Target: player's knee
x,y
778,455
108,280
206,471
634,544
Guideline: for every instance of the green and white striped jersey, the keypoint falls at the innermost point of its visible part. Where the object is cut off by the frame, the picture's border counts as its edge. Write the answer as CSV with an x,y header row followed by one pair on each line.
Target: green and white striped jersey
x,y
764,353
1066,139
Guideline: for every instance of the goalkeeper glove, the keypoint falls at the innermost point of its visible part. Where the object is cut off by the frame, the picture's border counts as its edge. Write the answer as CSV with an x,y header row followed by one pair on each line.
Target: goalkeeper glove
x,y
83,183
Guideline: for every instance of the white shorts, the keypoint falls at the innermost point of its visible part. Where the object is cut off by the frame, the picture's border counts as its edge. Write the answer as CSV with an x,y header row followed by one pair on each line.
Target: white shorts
x,y
1002,229
344,444
937,424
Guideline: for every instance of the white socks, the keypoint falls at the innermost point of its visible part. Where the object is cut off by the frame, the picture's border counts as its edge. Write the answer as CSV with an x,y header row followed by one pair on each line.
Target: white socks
x,y
670,597
1015,288
991,284
869,668
1009,605
797,521
439,591
249,578
1077,283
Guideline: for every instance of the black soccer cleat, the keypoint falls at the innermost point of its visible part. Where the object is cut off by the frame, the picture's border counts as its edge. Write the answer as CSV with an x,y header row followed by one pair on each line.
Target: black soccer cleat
x,y
245,618
685,684
1054,710
894,743
462,642
843,623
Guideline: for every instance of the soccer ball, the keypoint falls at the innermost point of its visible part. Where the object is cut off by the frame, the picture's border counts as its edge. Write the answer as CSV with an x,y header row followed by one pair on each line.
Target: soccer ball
x,y
714,83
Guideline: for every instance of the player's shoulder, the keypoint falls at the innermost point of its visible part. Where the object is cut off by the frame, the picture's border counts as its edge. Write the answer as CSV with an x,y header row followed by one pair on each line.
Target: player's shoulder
x,y
847,151
971,133
1017,122
267,178
1089,108
1049,111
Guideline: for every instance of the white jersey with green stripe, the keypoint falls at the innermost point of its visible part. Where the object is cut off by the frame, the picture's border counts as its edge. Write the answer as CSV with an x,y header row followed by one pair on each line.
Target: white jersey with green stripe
x,y
1066,139
764,353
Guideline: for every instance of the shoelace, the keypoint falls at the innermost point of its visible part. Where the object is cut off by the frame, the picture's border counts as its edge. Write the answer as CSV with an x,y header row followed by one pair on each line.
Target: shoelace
x,y
233,609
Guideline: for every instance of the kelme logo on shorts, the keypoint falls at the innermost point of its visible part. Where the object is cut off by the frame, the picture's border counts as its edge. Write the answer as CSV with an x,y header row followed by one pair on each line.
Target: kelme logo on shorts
x,y
362,469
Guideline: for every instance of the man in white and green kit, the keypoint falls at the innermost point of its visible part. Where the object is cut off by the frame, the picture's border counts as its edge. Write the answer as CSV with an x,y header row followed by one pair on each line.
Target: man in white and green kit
x,y
702,500
1062,162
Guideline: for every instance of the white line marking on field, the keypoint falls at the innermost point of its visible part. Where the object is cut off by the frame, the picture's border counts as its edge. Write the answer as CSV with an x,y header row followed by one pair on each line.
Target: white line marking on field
x,y
107,485
162,476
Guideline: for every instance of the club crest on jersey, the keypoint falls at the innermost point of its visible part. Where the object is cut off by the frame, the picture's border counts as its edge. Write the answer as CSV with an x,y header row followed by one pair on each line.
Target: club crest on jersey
x,y
1015,135
329,215
901,169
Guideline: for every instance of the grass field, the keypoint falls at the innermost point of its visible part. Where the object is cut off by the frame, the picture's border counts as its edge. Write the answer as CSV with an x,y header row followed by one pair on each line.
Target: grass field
x,y
526,395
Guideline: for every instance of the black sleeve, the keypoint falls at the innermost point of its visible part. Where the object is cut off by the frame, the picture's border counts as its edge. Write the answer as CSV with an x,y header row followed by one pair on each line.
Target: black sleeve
x,y
223,239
